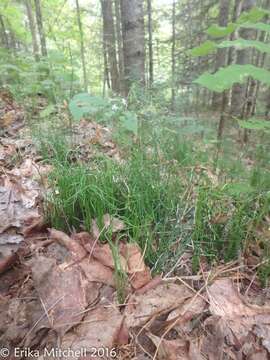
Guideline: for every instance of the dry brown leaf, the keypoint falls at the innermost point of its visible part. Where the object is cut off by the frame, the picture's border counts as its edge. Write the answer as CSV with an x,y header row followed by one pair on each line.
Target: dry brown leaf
x,y
95,271
103,254
61,293
92,269
225,301
163,298
239,318
76,249
100,329
113,223
172,349
139,273
8,118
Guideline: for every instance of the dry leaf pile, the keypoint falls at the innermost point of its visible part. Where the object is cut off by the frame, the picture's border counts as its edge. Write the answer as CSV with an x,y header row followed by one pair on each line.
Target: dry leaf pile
x,y
11,114
89,138
68,299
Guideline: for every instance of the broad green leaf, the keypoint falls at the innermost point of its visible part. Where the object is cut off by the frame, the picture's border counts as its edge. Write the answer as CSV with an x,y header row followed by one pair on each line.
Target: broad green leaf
x,y
84,103
252,16
257,26
208,47
254,124
130,122
224,78
243,44
216,31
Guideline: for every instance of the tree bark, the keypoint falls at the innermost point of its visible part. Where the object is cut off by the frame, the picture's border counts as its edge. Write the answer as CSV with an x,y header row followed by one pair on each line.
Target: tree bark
x,y
221,58
236,13
4,37
32,27
173,55
106,77
243,57
120,47
150,43
133,42
40,28
110,43
81,45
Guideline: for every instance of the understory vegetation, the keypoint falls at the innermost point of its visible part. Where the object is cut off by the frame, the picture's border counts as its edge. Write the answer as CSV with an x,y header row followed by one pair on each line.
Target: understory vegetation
x,y
174,189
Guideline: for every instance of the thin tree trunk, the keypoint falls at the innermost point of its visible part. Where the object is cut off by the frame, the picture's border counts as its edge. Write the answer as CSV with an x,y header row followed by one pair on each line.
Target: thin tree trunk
x,y
157,52
32,27
106,77
173,55
239,91
82,45
40,28
120,47
150,43
110,43
221,58
236,13
133,42
4,37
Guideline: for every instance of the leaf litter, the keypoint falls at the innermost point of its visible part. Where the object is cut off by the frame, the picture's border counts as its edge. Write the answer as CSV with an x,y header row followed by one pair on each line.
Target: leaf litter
x,y
60,290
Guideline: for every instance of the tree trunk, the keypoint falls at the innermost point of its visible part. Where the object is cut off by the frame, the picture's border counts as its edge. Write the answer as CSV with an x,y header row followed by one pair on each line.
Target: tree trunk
x,y
150,43
236,13
133,42
243,57
32,27
221,58
173,55
82,45
106,77
4,37
120,47
110,43
40,28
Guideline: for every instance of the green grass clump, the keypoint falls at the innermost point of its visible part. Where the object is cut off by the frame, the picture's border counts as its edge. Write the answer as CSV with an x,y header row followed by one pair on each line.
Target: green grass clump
x,y
142,192
225,221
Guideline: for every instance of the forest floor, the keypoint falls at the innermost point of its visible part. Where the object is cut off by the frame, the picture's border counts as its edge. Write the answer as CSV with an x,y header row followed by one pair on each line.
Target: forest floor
x,y
70,290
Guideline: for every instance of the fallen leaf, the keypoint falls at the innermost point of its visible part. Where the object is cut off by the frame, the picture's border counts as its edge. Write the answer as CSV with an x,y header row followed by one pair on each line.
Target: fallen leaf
x,y
139,273
61,293
171,349
163,298
113,223
100,329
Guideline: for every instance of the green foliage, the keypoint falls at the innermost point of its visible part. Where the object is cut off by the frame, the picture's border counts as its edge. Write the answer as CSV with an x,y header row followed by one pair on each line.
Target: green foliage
x,y
225,220
49,77
216,31
254,15
246,20
257,26
225,78
208,47
243,44
86,104
129,121
254,124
